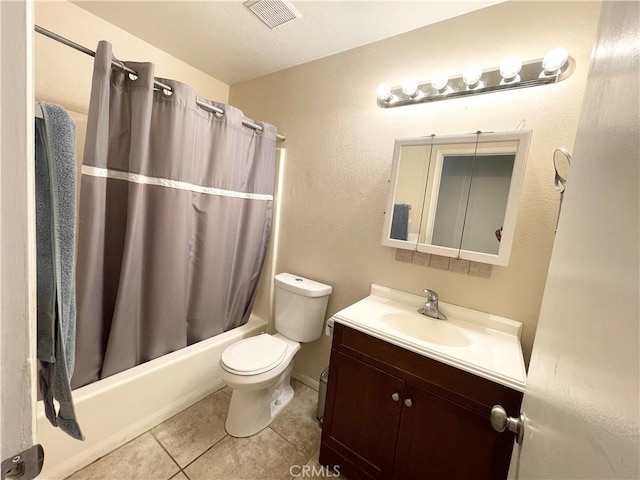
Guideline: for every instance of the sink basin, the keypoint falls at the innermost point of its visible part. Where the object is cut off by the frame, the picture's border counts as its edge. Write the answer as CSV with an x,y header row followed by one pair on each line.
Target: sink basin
x,y
479,343
427,329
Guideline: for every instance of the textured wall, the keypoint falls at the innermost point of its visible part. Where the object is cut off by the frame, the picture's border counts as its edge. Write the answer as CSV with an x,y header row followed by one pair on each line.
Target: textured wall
x,y
63,75
340,145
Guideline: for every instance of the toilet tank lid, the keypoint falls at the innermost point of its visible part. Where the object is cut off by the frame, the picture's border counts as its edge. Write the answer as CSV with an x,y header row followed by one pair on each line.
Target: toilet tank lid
x,y
302,286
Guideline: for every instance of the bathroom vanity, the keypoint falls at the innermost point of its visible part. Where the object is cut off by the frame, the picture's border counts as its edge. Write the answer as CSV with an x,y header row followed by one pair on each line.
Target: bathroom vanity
x,y
410,397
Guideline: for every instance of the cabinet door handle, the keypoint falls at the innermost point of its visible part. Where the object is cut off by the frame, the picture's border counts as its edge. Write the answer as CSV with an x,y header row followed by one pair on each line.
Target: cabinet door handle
x,y
395,397
408,402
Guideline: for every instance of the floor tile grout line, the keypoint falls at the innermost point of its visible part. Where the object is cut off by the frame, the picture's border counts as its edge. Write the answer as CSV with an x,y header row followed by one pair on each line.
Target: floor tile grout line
x,y
110,452
271,426
169,453
289,441
226,435
284,438
190,406
166,451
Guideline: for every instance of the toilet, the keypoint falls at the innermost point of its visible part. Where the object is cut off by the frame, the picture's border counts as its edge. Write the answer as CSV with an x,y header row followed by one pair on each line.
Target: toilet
x,y
258,369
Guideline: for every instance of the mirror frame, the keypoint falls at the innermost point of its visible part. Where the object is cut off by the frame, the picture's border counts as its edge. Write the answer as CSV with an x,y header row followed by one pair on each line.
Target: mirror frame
x,y
523,137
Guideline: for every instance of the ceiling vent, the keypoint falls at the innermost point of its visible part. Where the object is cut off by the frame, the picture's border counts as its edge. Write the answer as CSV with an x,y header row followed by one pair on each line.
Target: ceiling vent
x,y
274,13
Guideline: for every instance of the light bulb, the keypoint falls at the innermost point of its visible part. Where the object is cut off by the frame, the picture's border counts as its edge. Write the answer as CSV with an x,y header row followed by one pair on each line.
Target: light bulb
x,y
410,86
384,92
471,75
439,80
510,68
554,60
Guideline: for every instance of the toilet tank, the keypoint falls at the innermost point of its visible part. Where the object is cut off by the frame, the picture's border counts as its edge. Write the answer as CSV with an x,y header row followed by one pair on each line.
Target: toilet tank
x,y
300,306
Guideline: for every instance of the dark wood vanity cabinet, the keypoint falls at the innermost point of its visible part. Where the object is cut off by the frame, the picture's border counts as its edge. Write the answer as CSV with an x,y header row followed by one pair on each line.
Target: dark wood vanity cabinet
x,y
394,414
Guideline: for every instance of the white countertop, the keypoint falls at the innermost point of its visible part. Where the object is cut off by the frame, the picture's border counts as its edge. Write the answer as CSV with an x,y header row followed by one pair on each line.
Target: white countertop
x,y
494,351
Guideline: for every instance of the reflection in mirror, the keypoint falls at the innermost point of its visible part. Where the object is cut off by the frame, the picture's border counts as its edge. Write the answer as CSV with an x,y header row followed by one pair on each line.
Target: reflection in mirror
x,y
471,196
561,163
413,165
447,195
453,195
457,195
488,195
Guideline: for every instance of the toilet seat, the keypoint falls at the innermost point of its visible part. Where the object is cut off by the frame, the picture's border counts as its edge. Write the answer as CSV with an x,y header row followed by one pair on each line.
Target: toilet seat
x,y
254,355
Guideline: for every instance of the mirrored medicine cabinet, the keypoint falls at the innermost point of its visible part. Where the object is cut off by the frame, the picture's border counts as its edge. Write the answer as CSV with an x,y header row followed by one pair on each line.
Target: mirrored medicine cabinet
x,y
457,195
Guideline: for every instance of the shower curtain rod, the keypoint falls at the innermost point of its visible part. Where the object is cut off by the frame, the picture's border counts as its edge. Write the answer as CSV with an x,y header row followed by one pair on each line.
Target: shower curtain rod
x,y
201,103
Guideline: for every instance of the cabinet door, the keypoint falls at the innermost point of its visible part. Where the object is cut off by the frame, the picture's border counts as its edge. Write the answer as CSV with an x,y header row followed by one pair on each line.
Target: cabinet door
x,y
439,439
362,416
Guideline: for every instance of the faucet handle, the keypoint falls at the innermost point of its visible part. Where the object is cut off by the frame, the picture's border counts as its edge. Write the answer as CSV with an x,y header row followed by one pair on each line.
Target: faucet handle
x,y
431,295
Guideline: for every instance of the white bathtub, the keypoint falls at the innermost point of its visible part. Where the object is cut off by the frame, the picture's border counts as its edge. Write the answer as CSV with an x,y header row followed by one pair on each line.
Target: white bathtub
x,y
115,410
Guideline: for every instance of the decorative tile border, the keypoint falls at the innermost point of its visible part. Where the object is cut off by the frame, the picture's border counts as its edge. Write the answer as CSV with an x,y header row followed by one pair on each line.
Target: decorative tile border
x,y
423,259
404,255
440,262
459,266
480,269
465,267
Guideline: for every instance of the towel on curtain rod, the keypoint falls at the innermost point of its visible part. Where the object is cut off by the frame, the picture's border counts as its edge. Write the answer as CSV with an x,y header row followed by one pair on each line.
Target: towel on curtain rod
x,y
55,193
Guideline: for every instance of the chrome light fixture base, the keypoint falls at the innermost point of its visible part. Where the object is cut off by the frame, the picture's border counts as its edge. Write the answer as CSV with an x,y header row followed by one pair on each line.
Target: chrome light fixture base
x,y
532,74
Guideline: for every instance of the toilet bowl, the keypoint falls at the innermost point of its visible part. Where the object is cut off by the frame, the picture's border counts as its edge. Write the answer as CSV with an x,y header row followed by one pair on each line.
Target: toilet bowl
x,y
258,369
258,396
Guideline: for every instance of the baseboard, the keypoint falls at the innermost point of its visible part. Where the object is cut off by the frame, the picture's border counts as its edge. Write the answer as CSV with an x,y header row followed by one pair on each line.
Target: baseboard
x,y
307,380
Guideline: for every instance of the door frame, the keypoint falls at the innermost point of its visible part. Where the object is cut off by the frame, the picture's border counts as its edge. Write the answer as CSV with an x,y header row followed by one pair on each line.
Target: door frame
x,y
18,364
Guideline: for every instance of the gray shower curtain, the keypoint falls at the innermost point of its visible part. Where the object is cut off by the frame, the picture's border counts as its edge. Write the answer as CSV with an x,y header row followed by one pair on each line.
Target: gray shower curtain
x,y
174,220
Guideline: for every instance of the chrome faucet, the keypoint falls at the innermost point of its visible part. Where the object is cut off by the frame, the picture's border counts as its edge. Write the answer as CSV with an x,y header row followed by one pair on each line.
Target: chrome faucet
x,y
430,307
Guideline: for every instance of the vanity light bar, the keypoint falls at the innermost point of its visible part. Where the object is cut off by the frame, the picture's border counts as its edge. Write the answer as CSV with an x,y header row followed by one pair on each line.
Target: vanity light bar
x,y
554,67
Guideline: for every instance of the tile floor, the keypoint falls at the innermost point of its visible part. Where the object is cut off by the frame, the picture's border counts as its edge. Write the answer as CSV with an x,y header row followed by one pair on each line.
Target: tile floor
x,y
193,445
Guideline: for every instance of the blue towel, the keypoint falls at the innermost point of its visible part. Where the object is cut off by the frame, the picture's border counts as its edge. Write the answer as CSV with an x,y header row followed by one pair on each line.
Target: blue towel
x,y
400,221
55,179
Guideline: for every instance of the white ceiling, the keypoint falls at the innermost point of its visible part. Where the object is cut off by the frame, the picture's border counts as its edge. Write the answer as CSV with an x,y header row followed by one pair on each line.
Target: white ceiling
x,y
227,41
